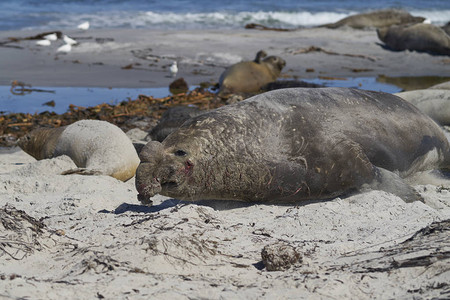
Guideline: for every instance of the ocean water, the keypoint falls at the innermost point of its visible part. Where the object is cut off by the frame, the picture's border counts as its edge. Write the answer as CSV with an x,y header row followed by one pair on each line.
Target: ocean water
x,y
199,14
35,102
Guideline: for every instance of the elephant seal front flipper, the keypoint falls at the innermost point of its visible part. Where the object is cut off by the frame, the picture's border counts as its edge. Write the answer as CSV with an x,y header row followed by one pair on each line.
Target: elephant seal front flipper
x,y
82,171
392,183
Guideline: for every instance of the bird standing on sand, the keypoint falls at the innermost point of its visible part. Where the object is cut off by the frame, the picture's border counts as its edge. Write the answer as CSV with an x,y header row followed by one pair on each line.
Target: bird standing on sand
x,y
51,37
84,26
43,43
69,40
174,69
66,48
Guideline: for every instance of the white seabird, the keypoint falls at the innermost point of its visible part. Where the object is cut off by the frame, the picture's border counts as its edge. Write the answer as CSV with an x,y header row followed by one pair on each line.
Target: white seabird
x,y
173,69
66,48
43,43
51,37
69,40
84,26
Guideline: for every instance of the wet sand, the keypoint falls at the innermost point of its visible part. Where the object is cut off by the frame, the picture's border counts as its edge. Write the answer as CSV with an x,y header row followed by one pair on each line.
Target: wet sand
x,y
140,57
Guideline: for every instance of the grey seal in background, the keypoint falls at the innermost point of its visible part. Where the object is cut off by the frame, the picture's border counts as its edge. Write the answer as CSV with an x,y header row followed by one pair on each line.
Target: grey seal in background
x,y
249,76
441,86
294,144
418,37
433,102
376,19
96,147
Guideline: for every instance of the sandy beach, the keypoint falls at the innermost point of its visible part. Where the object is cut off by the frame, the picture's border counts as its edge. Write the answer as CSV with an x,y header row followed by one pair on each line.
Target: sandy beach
x,y
88,237
202,55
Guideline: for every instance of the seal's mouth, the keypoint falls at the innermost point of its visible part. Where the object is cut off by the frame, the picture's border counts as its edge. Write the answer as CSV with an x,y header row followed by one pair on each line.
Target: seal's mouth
x,y
148,190
169,185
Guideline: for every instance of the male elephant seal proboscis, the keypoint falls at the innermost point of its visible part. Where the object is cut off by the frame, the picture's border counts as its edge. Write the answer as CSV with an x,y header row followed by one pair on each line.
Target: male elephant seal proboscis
x,y
419,37
376,19
96,147
294,144
249,76
433,102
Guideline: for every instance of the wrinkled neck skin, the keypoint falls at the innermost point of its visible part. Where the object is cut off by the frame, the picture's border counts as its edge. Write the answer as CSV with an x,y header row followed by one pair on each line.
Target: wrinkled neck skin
x,y
41,143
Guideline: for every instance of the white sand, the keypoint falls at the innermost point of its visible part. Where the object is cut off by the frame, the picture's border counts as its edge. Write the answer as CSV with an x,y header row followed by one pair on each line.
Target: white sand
x,y
110,246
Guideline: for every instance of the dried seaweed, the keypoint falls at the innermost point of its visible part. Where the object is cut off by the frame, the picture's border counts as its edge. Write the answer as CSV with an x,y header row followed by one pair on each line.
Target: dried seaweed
x,y
427,246
319,49
125,114
19,234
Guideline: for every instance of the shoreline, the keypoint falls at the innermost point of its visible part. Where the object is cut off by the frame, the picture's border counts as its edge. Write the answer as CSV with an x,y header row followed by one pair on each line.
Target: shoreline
x,y
137,58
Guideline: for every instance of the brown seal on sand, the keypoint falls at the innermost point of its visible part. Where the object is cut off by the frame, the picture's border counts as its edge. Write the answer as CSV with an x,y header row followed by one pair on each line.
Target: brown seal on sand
x,y
97,147
294,144
418,37
376,19
250,76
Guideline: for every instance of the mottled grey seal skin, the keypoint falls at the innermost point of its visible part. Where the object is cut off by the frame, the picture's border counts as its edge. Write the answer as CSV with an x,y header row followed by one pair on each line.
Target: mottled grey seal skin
x,y
417,37
171,120
96,147
249,76
376,19
294,144
435,103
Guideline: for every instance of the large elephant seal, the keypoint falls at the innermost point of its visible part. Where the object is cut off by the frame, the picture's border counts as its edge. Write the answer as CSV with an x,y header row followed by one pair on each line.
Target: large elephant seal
x,y
433,102
97,147
418,37
376,19
249,76
294,144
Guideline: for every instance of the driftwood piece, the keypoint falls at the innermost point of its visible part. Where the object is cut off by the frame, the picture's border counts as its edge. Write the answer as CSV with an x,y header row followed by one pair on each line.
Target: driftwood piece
x,y
262,27
426,247
39,36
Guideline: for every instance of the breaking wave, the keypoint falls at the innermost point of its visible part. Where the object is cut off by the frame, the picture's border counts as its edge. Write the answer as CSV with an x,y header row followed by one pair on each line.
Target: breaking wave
x,y
213,20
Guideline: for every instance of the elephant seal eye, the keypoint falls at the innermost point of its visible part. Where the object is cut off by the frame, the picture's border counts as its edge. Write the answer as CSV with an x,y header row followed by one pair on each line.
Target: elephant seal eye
x,y
180,153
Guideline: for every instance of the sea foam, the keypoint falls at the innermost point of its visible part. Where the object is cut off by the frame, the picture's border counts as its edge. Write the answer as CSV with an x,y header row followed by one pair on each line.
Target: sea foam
x,y
216,20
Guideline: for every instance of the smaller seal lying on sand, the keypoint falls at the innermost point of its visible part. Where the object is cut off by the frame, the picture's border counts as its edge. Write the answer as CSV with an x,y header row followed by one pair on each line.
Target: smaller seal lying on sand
x,y
441,86
377,19
294,144
433,102
418,37
96,147
249,76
